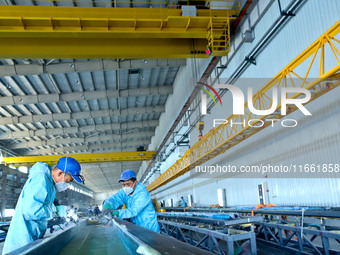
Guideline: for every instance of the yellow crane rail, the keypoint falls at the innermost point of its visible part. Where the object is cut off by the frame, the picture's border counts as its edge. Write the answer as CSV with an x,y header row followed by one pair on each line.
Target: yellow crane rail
x,y
295,74
99,32
82,158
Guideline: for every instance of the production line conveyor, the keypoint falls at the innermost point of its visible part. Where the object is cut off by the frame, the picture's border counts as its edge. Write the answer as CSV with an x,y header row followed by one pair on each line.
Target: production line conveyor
x,y
122,237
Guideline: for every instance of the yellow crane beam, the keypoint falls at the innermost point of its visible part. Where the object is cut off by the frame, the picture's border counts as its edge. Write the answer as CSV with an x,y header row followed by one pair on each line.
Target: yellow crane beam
x,y
295,74
92,32
82,158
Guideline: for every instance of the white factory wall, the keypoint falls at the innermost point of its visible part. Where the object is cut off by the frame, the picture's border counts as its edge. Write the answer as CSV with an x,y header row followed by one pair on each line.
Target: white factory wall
x,y
312,20
315,139
101,197
183,86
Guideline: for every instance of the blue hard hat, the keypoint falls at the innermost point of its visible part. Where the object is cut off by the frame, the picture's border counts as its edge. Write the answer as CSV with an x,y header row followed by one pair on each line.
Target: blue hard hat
x,y
127,175
72,167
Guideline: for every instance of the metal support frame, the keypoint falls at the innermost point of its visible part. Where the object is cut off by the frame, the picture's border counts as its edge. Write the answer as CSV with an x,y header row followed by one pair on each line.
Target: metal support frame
x,y
82,129
283,12
34,118
111,145
82,158
211,221
296,239
87,66
320,230
250,60
210,240
246,212
84,95
83,140
219,35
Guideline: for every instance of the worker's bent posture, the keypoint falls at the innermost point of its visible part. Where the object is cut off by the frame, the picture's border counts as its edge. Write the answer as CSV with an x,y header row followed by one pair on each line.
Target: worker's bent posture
x,y
34,207
137,200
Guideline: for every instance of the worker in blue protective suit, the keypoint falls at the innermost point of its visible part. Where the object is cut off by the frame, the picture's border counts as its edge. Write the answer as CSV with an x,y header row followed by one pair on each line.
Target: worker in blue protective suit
x,y
134,195
35,203
182,202
96,210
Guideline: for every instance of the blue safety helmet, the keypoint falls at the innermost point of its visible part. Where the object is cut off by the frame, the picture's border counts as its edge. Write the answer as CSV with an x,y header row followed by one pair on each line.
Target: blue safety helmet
x,y
71,166
127,175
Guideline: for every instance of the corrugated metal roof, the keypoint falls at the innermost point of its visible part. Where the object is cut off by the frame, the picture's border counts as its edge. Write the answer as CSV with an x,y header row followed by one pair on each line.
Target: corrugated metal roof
x,y
54,127
38,127
70,82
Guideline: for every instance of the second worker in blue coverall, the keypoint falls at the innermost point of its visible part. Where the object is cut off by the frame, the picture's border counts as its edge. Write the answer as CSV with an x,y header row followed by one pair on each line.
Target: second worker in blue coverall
x,y
138,202
182,202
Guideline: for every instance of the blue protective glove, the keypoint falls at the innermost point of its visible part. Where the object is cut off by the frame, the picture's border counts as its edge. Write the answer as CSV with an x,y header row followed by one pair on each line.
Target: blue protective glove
x,y
107,211
107,206
60,210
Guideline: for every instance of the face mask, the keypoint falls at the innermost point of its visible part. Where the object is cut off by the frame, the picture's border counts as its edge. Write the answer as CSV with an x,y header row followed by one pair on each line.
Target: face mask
x,y
61,186
128,190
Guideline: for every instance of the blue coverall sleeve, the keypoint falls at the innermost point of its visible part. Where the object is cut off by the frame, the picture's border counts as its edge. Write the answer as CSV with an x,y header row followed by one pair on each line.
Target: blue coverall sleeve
x,y
136,207
116,200
34,206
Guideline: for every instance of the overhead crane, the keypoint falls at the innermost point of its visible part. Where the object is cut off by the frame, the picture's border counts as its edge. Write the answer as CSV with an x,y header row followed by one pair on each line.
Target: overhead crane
x,y
224,136
100,32
81,158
